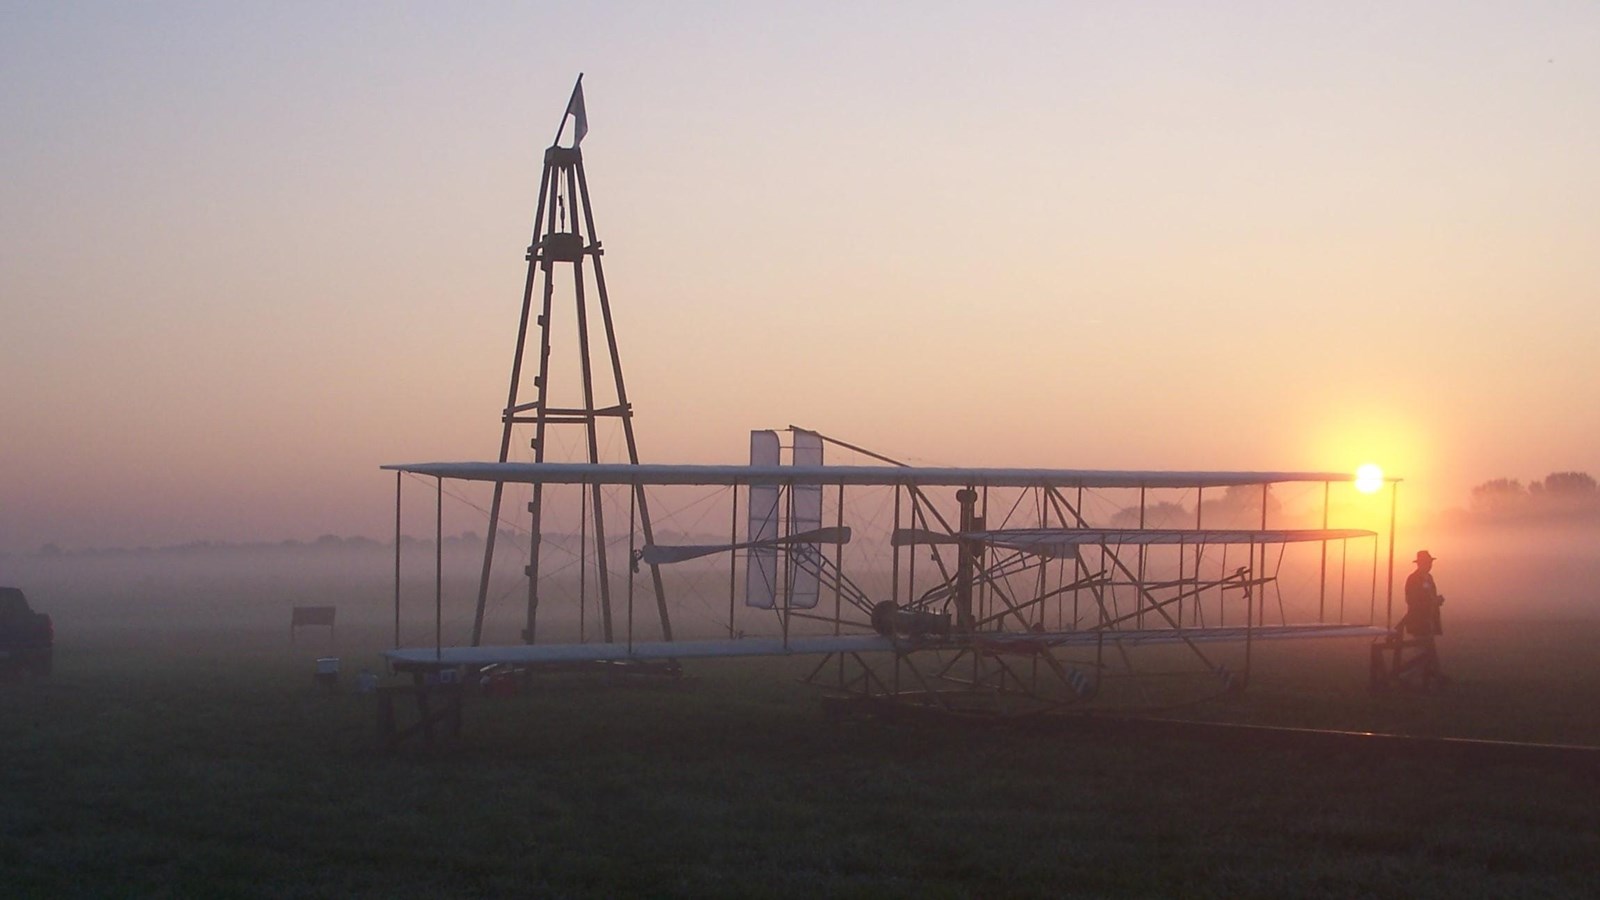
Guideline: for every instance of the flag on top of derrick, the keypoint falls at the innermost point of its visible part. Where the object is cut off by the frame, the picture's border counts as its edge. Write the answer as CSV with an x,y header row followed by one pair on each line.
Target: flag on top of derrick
x,y
580,116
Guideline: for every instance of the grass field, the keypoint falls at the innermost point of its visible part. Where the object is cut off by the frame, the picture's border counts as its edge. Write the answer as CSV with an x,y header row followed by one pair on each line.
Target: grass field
x,y
203,763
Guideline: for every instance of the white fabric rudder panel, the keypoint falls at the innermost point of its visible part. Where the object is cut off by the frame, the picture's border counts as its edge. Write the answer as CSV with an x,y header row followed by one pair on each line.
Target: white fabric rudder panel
x,y
761,563
805,589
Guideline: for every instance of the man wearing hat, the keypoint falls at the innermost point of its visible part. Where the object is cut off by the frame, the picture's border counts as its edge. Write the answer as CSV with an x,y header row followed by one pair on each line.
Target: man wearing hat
x,y
1422,616
1422,599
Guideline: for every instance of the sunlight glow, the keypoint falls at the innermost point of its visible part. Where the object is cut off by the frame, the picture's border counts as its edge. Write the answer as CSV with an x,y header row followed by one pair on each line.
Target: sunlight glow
x,y
1369,479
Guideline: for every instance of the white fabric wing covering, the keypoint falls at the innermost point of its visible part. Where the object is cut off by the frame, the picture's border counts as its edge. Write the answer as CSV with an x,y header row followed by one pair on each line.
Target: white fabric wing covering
x,y
648,474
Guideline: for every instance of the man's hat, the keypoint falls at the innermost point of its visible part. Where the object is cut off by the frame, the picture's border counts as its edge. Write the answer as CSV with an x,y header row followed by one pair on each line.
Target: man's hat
x,y
1425,555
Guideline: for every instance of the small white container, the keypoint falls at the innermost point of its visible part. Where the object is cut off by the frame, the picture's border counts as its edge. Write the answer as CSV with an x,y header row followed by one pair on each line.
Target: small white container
x,y
328,672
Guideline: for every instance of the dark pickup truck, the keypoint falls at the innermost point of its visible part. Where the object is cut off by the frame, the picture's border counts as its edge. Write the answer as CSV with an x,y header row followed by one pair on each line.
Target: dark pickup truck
x,y
27,638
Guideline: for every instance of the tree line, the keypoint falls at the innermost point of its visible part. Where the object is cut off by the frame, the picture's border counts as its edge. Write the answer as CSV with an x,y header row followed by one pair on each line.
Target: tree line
x,y
1558,495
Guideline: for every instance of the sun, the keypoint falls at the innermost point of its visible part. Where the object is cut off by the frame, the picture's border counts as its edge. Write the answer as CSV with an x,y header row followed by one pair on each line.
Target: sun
x,y
1369,479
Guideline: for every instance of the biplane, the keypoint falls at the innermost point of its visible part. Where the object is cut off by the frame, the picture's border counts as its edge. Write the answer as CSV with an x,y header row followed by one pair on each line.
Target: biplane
x,y
964,589
958,589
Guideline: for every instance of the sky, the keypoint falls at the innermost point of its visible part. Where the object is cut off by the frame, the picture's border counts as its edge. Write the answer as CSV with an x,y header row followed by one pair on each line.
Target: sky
x,y
249,253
